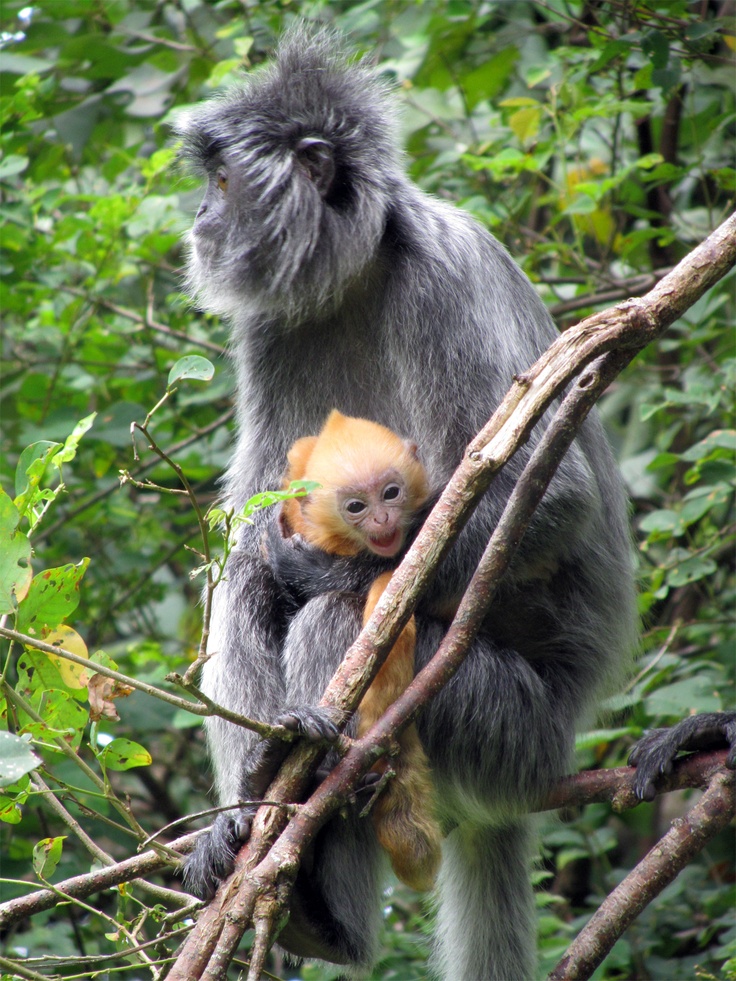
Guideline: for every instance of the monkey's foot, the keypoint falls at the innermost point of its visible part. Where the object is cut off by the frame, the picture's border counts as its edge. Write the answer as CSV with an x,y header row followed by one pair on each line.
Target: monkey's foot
x,y
655,753
213,858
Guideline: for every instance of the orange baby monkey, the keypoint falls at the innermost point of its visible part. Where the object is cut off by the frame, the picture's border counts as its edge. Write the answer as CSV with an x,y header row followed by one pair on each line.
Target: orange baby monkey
x,y
371,486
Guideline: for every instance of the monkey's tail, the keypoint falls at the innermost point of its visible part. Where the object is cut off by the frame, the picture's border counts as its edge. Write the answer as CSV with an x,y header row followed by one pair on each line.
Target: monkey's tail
x,y
486,926
404,818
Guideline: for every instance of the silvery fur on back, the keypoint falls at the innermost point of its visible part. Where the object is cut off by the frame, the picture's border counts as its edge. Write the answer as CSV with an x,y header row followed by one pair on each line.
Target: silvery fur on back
x,y
345,286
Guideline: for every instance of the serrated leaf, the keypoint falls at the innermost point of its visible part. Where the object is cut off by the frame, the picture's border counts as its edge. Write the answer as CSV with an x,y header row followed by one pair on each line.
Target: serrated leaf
x,y
192,366
15,557
16,758
124,754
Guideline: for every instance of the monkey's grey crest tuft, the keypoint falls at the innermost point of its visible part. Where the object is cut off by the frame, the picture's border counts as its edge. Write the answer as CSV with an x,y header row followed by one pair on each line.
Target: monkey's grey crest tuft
x,y
347,287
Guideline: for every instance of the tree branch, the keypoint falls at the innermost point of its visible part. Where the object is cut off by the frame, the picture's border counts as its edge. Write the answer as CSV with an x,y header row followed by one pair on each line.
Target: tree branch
x,y
685,839
613,786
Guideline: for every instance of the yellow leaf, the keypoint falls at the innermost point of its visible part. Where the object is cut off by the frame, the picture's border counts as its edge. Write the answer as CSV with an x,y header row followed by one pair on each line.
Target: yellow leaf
x,y
73,675
525,123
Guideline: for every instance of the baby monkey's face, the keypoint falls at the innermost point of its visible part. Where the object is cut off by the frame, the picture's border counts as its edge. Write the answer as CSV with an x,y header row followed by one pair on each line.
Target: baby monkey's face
x,y
377,514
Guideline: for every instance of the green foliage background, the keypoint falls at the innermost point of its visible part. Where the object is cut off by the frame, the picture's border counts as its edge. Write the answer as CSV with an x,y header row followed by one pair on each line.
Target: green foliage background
x,y
597,141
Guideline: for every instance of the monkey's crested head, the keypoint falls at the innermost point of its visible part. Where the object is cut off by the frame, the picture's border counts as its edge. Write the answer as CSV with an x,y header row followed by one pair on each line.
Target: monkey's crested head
x,y
301,159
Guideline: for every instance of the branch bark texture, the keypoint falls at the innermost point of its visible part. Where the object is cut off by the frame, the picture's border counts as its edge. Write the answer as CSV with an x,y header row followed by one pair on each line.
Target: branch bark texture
x,y
685,839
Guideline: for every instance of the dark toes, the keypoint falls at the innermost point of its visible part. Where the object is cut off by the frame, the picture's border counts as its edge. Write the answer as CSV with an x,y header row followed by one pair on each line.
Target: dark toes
x,y
313,723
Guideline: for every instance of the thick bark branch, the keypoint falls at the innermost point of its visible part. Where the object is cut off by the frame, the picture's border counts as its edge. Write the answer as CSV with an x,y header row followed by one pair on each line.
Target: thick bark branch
x,y
82,886
685,839
614,786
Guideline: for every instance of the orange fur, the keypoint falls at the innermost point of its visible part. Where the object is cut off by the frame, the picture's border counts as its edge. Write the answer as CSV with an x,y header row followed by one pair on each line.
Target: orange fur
x,y
350,454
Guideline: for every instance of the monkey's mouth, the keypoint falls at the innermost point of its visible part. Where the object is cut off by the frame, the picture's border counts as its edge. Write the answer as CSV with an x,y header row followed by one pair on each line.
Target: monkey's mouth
x,y
387,545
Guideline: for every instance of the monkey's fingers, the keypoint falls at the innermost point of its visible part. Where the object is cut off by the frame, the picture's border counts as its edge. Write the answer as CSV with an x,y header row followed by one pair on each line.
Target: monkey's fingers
x,y
213,857
655,753
310,721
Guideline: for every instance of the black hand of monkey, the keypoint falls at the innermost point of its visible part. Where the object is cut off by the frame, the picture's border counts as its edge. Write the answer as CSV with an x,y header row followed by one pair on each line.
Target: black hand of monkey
x,y
655,753
304,571
213,858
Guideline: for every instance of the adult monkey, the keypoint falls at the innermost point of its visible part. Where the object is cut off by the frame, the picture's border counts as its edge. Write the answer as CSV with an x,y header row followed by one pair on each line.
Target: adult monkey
x,y
346,286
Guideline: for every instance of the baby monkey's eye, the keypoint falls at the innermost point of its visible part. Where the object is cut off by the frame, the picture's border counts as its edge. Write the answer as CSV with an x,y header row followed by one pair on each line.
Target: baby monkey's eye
x,y
355,507
391,492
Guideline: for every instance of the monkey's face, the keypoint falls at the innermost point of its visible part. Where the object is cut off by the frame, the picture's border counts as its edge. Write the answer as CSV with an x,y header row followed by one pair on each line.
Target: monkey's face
x,y
377,515
296,204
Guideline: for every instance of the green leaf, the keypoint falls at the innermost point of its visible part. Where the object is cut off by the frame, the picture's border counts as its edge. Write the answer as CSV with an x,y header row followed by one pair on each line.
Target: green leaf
x,y
656,45
52,596
684,697
15,557
12,165
46,855
32,466
662,522
525,123
704,499
10,811
16,758
589,740
691,570
192,366
719,439
488,80
62,716
39,672
71,444
124,754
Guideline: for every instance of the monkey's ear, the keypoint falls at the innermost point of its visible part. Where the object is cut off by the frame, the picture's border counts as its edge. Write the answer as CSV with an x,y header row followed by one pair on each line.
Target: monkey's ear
x,y
298,458
411,448
317,160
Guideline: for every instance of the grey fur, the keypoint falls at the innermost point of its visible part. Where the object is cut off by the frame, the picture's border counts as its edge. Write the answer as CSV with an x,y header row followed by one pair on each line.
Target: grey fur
x,y
381,301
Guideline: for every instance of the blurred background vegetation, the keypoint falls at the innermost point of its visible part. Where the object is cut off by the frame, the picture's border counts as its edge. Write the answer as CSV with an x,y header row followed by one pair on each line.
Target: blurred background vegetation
x,y
596,140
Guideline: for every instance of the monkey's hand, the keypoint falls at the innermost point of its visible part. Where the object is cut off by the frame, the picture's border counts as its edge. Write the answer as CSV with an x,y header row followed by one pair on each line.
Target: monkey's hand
x,y
654,754
213,858
305,571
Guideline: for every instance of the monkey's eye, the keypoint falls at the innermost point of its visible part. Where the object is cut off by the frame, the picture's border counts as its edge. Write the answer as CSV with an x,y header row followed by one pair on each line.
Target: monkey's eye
x,y
355,506
222,180
391,493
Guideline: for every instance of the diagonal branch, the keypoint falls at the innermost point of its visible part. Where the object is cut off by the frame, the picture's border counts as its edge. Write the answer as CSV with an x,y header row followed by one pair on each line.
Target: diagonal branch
x,y
686,838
